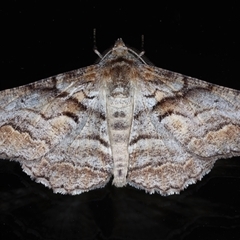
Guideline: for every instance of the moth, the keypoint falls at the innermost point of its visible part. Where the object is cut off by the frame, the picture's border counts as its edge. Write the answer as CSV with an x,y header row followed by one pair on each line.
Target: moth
x,y
153,129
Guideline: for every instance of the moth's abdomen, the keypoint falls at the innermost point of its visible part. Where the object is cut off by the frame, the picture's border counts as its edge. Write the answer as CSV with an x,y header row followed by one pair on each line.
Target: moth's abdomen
x,y
119,112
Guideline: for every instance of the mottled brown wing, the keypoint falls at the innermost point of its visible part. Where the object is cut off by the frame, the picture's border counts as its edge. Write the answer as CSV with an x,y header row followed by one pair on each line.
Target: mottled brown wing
x,y
56,128
181,127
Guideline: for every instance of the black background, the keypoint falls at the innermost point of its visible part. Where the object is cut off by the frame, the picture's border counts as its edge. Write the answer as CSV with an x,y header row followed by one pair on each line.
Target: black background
x,y
39,39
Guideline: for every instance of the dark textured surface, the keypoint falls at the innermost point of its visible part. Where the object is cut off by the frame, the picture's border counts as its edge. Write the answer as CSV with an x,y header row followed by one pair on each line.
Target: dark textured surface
x,y
39,40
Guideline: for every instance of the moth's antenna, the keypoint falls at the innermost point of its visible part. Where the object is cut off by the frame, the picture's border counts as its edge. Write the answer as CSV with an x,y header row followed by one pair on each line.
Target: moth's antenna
x,y
95,44
142,47
94,39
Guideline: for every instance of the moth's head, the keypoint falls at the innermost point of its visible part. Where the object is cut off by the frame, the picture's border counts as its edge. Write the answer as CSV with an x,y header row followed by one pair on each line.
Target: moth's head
x,y
121,52
119,48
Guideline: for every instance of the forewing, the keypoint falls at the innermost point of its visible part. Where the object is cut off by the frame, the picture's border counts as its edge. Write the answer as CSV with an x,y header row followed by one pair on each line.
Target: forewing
x,y
53,127
181,127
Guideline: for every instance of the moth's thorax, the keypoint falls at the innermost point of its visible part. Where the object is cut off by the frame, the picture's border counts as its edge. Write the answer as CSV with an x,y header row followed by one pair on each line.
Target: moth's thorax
x,y
120,70
119,85
119,75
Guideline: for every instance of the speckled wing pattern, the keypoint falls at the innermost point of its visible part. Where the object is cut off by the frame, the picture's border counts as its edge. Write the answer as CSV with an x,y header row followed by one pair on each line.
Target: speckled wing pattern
x,y
151,128
56,129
